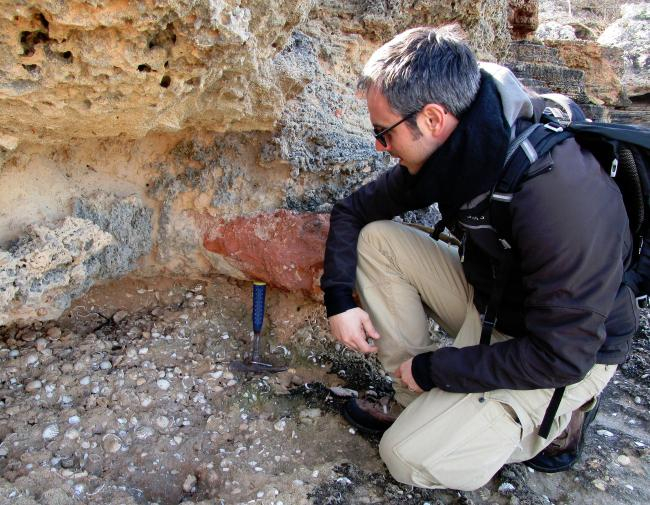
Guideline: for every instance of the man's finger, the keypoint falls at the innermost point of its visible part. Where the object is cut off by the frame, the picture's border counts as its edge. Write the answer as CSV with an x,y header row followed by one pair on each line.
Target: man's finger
x,y
365,347
369,328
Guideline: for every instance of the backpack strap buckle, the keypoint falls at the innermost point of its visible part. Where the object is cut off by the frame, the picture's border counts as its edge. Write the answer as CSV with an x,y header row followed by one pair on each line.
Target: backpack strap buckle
x,y
554,127
642,301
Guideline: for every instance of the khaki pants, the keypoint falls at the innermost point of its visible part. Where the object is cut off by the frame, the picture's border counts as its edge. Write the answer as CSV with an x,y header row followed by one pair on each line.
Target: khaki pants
x,y
447,440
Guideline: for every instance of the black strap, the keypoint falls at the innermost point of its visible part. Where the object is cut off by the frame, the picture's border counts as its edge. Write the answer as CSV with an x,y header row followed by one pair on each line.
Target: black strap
x,y
438,229
501,275
551,410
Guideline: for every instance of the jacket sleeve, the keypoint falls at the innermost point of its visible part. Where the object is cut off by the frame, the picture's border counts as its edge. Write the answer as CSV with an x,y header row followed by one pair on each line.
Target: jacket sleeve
x,y
384,198
569,229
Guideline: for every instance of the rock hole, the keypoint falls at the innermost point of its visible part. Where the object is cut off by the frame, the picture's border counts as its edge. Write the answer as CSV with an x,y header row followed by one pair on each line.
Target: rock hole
x,y
66,56
143,67
640,99
165,81
167,64
43,20
194,81
32,69
164,38
28,41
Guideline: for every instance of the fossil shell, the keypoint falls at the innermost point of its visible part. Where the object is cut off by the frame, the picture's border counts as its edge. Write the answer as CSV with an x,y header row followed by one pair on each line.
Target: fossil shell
x,y
111,443
51,432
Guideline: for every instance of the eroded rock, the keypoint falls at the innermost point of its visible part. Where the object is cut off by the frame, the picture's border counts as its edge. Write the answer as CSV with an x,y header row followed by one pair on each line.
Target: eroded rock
x,y
46,268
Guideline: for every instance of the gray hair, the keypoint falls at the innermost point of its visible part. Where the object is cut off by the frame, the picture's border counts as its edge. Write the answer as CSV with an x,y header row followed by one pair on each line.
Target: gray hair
x,y
424,65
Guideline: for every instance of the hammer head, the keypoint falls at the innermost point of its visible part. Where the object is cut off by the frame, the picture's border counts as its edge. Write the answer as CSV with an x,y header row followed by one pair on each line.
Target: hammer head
x,y
250,366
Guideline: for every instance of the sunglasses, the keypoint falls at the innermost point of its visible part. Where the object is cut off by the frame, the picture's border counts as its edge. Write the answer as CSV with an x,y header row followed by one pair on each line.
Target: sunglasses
x,y
380,135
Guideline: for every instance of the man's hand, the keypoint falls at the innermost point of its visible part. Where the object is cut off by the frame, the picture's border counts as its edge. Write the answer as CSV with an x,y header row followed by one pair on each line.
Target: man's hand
x,y
405,373
352,328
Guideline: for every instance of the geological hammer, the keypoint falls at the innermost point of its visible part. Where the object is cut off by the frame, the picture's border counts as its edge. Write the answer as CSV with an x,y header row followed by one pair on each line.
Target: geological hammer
x,y
254,363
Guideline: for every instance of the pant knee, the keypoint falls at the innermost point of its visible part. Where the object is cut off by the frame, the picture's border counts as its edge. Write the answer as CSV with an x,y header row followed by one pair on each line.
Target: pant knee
x,y
373,233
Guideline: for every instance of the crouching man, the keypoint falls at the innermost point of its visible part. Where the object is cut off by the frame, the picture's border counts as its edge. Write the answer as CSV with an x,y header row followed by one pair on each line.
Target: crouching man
x,y
564,319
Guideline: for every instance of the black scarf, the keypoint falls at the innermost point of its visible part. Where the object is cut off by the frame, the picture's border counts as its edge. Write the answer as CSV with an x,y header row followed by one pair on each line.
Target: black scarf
x,y
470,161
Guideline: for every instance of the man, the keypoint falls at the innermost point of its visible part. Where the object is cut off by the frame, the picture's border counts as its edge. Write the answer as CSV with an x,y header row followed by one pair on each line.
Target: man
x,y
564,319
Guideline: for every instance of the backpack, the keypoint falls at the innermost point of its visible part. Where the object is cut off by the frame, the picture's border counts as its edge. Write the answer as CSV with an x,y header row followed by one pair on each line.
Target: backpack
x,y
624,150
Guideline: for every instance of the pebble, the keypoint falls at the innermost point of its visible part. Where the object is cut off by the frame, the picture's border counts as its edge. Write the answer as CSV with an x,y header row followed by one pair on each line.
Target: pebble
x,y
146,401
41,344
144,432
163,384
310,413
344,392
84,381
506,489
623,460
280,425
67,462
111,443
34,386
599,484
105,365
14,353
120,315
605,433
74,420
212,424
71,434
54,332
189,483
637,400
228,375
162,422
31,359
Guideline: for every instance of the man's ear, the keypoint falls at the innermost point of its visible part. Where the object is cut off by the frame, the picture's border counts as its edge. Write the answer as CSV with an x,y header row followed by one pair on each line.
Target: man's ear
x,y
434,115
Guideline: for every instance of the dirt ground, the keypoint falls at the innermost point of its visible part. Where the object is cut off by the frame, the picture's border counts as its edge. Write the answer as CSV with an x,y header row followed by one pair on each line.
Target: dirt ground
x,y
128,399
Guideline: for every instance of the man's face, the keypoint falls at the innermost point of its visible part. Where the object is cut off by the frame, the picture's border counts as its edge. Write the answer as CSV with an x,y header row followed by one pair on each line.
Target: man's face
x,y
412,148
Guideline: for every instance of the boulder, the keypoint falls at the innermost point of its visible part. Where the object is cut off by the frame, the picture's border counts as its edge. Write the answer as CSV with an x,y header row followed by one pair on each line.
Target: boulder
x,y
282,248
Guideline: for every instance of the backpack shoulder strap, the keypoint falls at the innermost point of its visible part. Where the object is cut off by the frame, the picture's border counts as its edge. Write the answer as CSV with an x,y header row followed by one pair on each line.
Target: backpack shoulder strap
x,y
530,146
534,142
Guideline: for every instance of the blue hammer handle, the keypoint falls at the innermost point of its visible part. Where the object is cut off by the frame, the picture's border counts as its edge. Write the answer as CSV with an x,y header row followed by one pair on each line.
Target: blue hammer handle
x,y
259,295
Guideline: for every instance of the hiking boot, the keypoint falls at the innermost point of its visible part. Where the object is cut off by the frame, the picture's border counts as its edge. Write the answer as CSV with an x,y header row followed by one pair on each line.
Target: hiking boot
x,y
371,416
565,450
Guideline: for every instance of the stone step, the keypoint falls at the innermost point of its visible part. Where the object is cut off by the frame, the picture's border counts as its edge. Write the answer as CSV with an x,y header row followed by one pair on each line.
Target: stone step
x,y
533,52
556,78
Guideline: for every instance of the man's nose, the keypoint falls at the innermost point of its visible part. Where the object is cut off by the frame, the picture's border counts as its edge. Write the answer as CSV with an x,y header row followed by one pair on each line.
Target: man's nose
x,y
380,147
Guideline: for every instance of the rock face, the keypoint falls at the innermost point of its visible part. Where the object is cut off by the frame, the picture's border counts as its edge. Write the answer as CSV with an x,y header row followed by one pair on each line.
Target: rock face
x,y
631,33
103,69
602,67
